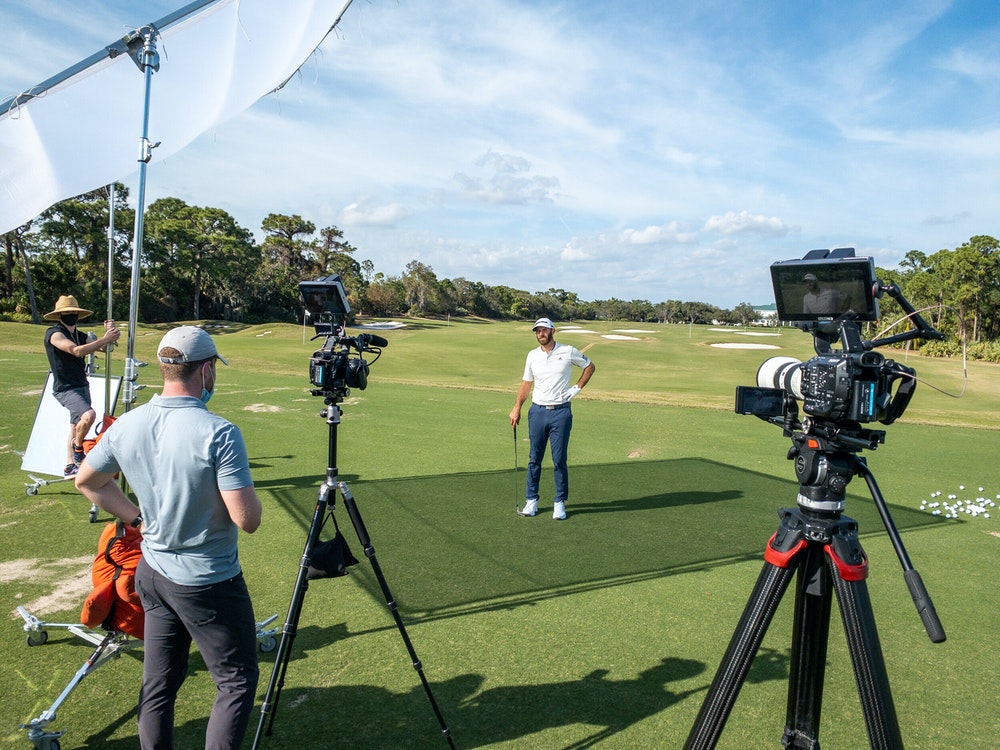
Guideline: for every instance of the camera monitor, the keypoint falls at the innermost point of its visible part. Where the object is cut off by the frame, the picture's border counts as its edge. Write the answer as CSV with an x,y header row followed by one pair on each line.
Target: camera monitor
x,y
824,285
325,298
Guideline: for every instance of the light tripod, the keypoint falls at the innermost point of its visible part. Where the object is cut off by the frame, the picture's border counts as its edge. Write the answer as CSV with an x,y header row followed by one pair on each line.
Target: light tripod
x,y
819,544
325,502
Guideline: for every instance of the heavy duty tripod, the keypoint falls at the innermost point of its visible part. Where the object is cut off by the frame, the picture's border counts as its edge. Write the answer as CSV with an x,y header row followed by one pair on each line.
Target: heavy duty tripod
x,y
819,544
324,503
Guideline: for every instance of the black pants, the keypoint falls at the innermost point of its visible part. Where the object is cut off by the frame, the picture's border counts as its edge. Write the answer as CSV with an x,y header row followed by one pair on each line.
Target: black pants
x,y
219,618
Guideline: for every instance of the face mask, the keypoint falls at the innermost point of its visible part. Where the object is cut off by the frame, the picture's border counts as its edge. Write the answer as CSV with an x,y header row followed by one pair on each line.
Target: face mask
x,y
70,319
206,394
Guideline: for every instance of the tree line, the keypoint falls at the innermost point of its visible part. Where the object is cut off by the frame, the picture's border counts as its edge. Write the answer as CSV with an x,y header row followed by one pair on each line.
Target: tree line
x,y
198,263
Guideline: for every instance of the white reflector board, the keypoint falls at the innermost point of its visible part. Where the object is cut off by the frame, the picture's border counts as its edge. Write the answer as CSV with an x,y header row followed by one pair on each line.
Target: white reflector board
x,y
46,451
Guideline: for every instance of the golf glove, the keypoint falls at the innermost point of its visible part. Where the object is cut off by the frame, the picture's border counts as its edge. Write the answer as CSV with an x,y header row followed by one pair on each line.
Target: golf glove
x,y
573,391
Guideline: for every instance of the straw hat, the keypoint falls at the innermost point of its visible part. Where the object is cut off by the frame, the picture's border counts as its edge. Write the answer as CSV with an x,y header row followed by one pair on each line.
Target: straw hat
x,y
68,304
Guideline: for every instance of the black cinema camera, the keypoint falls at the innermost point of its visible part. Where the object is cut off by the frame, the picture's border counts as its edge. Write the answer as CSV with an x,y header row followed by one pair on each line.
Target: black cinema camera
x,y
338,366
827,294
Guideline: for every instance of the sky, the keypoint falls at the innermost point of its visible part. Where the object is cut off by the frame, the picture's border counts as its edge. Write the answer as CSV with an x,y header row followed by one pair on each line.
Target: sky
x,y
637,150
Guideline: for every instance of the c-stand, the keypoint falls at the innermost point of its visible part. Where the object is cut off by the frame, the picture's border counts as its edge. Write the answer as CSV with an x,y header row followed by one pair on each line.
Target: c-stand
x,y
822,546
325,502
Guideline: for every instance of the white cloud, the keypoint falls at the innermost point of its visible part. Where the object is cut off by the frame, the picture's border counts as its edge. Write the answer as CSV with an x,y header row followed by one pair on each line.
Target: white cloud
x,y
744,222
670,232
506,180
365,212
574,251
980,62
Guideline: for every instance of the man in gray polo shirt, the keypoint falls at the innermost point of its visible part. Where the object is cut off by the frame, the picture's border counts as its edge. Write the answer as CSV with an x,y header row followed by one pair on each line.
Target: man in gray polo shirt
x,y
548,368
189,470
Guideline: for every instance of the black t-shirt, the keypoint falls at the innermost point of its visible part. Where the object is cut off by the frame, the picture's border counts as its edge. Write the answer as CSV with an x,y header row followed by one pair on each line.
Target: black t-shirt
x,y
68,371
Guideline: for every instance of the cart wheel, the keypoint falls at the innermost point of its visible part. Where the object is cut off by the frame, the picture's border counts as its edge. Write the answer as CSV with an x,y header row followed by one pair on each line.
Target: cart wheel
x,y
38,638
268,644
30,490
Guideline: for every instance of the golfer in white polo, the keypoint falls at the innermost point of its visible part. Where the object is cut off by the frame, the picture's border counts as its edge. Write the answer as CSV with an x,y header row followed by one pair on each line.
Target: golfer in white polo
x,y
549,368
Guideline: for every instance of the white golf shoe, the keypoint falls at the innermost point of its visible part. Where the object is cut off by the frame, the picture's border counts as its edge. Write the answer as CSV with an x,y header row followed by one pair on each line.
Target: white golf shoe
x,y
530,508
559,511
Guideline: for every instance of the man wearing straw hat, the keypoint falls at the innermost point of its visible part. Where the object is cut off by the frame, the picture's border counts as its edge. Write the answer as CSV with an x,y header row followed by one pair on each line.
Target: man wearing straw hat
x,y
66,347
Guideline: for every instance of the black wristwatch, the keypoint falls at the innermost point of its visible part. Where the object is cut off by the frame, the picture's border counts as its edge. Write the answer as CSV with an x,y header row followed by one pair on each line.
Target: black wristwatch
x,y
137,522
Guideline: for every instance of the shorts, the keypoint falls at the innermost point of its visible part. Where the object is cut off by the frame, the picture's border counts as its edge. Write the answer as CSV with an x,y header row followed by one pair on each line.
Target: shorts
x,y
77,400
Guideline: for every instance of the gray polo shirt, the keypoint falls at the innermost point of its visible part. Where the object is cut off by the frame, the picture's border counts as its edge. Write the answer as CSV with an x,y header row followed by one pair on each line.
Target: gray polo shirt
x,y
176,456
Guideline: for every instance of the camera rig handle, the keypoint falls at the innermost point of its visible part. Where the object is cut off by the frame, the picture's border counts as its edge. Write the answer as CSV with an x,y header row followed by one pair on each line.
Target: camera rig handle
x,y
923,329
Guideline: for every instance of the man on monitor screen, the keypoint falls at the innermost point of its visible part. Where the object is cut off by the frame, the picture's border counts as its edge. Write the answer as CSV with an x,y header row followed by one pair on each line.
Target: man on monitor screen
x,y
820,301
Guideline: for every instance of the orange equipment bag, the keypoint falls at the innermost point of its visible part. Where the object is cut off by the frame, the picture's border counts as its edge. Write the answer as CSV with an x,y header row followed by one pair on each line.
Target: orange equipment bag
x,y
113,603
89,443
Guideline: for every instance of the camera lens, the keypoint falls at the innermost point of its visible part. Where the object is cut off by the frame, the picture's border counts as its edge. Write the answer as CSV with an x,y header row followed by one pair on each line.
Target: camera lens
x,y
781,372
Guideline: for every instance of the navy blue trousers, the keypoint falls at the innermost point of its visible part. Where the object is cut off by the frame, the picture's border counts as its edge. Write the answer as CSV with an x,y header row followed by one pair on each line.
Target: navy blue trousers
x,y
548,427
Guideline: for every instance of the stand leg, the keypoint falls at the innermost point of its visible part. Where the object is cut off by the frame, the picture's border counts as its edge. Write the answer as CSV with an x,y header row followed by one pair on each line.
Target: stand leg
x,y
268,708
757,616
810,636
362,532
848,568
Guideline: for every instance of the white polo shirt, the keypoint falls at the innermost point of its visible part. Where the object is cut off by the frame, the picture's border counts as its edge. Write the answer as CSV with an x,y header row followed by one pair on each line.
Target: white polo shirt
x,y
551,372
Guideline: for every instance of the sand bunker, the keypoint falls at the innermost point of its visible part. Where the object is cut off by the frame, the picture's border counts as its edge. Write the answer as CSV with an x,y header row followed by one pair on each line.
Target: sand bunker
x,y
731,332
746,346
385,325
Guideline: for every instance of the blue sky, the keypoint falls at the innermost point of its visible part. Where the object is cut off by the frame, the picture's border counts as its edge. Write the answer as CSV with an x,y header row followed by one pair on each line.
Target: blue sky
x,y
638,150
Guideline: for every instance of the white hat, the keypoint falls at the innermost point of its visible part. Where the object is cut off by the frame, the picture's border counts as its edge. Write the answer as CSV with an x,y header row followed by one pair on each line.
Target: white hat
x,y
192,342
810,277
542,323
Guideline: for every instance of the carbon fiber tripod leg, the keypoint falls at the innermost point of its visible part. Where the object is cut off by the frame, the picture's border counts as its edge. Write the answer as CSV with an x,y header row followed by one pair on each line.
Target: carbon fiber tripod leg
x,y
869,664
272,695
746,640
807,666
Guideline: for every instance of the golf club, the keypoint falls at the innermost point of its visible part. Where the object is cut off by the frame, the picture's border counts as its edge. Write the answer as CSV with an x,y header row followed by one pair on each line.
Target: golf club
x,y
517,507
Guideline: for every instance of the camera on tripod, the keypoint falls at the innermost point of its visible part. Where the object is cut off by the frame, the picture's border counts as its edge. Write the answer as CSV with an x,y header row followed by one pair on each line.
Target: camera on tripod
x,y
338,365
827,294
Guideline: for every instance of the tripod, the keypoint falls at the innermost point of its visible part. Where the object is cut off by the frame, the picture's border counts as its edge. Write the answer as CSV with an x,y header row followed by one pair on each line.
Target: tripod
x,y
324,502
819,544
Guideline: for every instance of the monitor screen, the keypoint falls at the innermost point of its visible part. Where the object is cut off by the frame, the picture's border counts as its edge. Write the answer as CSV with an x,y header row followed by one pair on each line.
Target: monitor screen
x,y
825,289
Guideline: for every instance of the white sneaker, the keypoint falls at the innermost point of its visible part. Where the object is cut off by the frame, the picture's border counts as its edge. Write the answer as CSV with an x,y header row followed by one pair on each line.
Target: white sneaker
x,y
559,511
530,508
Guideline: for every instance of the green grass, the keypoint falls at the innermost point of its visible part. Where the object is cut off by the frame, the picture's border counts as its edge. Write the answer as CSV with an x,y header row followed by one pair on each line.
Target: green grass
x,y
602,631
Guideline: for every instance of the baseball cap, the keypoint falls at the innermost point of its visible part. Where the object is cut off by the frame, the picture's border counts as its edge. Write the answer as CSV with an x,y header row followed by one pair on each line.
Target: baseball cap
x,y
810,277
192,342
542,323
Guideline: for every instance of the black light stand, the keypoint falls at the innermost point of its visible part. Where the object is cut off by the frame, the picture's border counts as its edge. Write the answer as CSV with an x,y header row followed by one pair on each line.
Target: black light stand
x,y
822,546
325,502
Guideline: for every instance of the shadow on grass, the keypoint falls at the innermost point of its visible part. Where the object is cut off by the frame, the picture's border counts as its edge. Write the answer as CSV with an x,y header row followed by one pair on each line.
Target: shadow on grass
x,y
600,707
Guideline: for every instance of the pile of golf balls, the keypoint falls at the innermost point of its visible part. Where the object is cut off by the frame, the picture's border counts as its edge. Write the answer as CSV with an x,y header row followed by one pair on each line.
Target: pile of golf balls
x,y
953,505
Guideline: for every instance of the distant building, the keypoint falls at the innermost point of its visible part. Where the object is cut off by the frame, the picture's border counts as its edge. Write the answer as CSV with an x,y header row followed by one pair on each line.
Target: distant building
x,y
767,315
